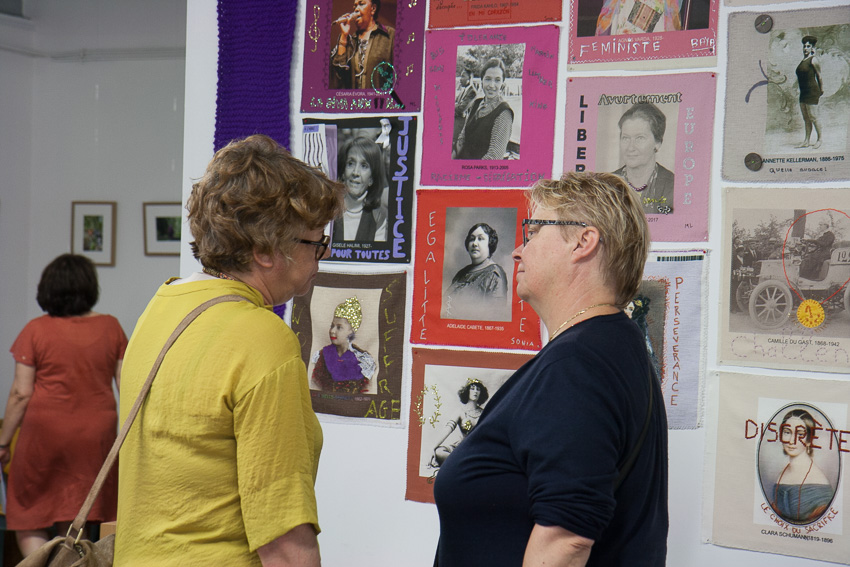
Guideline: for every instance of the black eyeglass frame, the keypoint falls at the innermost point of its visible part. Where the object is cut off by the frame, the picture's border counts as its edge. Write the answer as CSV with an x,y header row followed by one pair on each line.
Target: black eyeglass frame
x,y
321,245
541,222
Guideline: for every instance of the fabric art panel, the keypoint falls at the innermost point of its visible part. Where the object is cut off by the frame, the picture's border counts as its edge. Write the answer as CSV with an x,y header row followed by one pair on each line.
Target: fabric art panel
x,y
351,328
455,13
754,2
374,158
775,481
786,256
788,96
655,132
464,290
648,34
376,71
450,390
253,39
669,311
500,85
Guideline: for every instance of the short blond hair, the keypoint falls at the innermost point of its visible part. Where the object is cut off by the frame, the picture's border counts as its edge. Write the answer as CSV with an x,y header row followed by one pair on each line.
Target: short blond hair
x,y
602,200
254,196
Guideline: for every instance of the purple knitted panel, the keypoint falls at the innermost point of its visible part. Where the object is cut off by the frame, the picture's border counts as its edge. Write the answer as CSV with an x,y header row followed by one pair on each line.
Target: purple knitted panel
x,y
254,57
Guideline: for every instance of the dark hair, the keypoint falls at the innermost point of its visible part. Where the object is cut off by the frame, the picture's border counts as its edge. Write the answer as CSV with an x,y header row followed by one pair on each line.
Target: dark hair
x,y
68,286
372,152
492,237
806,418
650,113
463,393
494,62
809,39
377,5
255,195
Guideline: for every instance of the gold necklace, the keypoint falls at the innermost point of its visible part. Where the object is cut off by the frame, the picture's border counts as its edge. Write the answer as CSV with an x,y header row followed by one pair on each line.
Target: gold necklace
x,y
220,275
585,310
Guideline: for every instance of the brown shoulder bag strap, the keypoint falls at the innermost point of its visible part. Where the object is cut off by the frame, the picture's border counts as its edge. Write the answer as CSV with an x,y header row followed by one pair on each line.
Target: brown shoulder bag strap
x,y
80,521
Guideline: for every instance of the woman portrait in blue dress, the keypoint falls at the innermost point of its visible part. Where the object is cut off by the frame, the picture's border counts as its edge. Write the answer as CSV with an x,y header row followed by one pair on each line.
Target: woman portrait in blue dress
x,y
802,492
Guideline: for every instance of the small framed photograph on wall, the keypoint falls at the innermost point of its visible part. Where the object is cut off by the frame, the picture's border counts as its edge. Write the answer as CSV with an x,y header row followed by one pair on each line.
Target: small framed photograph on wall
x,y
93,231
162,223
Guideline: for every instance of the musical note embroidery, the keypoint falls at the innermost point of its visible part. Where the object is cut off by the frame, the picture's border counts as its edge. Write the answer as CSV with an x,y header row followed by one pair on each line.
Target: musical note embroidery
x,y
314,27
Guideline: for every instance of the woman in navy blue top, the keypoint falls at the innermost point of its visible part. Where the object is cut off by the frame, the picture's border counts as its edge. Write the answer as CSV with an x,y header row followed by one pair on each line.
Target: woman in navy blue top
x,y
568,463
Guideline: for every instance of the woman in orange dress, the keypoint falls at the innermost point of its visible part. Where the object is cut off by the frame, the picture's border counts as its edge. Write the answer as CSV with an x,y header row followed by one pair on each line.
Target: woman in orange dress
x,y
62,400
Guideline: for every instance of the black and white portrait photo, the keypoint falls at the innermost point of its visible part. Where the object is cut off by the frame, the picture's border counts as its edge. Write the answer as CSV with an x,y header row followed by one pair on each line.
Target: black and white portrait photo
x,y
463,393
477,267
364,37
646,140
808,75
782,257
488,102
362,165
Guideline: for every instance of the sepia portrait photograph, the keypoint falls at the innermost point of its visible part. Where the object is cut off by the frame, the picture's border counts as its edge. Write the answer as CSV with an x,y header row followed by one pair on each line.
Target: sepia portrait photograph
x,y
787,301
450,391
478,269
808,100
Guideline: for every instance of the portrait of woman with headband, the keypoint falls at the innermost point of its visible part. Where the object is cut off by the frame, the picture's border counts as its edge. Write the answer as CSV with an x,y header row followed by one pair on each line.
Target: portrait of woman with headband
x,y
342,366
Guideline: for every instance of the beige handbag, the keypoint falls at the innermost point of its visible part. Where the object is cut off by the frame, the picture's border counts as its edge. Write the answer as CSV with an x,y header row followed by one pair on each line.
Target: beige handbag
x,y
71,550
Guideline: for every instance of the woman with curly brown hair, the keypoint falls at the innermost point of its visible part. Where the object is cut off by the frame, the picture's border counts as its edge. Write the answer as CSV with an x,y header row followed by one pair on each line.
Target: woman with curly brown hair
x,y
220,466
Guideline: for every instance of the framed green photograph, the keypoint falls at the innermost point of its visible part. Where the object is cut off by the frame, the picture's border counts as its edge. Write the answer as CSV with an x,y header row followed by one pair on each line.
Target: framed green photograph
x,y
163,225
93,231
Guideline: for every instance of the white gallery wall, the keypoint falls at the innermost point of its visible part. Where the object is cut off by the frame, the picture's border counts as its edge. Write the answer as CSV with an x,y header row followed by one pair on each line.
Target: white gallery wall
x,y
91,109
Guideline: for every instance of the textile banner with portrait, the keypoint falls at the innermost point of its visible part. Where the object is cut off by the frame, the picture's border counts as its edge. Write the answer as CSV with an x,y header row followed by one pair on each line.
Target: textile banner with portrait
x,y
787,96
655,132
777,483
363,57
464,291
668,309
786,256
458,13
450,390
351,329
501,86
643,34
374,158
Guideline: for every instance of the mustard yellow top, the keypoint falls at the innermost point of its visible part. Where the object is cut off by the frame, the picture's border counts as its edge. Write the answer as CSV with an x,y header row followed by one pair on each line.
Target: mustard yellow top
x,y
223,456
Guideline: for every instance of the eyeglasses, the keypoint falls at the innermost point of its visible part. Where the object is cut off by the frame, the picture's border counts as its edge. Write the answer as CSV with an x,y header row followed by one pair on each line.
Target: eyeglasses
x,y
321,245
539,222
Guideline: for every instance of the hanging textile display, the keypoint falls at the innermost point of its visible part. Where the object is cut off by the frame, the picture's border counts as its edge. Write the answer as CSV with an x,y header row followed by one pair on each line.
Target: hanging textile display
x,y
776,481
642,34
351,328
788,105
450,390
655,131
669,309
375,159
501,86
463,290
452,14
364,60
254,57
786,256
